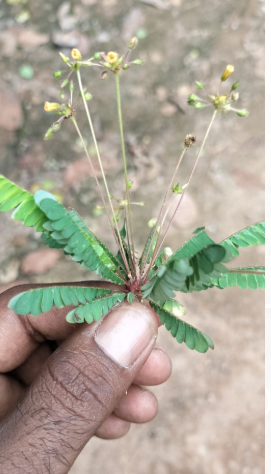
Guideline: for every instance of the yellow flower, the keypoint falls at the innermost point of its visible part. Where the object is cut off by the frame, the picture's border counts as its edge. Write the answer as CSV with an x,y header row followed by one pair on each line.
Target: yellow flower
x,y
112,57
228,71
50,106
75,54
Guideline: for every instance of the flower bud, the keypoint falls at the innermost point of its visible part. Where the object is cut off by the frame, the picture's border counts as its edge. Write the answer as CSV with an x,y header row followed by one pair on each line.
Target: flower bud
x,y
51,106
177,189
75,54
192,98
104,75
152,222
138,62
242,113
189,140
126,66
235,86
228,71
112,57
199,85
97,56
132,44
71,87
56,127
48,134
88,96
57,74
64,83
198,105
64,58
130,184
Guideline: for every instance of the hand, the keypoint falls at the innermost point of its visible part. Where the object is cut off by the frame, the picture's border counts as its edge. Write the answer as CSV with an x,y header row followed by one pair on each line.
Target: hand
x,y
61,384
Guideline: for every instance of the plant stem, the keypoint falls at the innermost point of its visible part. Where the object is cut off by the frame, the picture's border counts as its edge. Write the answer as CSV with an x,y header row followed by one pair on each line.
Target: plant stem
x,y
120,245
181,197
98,184
125,171
162,208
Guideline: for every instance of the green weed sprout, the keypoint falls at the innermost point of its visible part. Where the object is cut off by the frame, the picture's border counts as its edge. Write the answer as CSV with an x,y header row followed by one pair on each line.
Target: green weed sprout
x,y
199,264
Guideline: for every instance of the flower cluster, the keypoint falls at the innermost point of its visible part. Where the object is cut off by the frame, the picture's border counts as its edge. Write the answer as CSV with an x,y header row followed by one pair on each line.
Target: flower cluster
x,y
221,102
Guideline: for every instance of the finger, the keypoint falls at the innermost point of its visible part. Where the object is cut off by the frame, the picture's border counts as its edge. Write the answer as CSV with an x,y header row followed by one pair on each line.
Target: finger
x,y
21,335
138,405
78,388
113,428
30,369
156,370
11,392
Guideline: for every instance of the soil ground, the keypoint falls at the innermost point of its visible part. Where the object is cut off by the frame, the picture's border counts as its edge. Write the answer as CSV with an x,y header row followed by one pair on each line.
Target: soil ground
x,y
210,419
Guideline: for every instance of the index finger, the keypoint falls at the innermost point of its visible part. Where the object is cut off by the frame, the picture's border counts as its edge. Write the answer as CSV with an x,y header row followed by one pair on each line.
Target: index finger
x,y
20,335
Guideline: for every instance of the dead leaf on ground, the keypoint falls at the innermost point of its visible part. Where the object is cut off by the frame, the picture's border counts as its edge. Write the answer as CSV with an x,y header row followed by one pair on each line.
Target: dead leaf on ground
x,y
40,261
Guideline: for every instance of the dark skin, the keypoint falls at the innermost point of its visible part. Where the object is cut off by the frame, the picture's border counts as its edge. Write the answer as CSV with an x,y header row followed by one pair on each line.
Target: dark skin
x,y
58,388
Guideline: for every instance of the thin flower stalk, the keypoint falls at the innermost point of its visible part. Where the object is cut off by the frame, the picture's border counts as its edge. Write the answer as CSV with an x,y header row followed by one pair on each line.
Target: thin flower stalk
x,y
182,195
102,171
125,173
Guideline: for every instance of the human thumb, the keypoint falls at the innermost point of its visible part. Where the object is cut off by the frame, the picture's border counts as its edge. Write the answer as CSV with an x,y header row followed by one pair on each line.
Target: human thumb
x,y
79,387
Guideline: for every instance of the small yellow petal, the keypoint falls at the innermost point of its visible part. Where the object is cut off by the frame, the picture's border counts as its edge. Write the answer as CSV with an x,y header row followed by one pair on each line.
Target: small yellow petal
x,y
228,71
75,54
112,57
50,106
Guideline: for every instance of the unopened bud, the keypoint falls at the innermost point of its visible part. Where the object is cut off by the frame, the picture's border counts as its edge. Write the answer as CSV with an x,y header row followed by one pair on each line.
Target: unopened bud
x,y
199,105
152,222
64,83
130,184
126,66
75,54
97,56
199,85
228,71
242,113
177,189
192,98
56,126
235,86
104,75
57,74
51,106
64,58
189,140
88,96
132,44
48,134
71,86
138,62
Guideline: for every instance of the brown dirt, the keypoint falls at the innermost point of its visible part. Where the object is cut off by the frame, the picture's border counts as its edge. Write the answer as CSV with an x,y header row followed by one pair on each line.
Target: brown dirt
x,y
210,419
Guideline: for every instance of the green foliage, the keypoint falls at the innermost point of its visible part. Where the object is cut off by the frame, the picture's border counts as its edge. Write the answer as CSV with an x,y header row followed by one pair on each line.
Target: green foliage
x,y
246,277
251,235
131,297
94,310
26,210
66,229
41,300
199,259
183,332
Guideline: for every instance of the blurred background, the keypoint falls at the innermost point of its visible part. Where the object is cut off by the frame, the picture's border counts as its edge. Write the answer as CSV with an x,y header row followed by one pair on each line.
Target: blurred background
x,y
210,419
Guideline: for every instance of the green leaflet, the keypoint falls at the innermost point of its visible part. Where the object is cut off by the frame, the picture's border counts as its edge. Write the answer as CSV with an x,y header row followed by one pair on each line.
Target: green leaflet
x,y
13,196
41,300
95,310
246,277
199,259
183,332
66,229
251,235
148,252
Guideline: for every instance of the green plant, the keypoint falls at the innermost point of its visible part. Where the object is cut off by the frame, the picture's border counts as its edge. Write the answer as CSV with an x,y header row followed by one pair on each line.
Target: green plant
x,y
199,264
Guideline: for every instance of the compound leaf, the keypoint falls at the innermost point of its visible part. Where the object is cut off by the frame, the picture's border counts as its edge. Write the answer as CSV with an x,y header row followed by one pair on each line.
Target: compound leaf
x,y
65,229
251,235
94,310
26,210
183,332
245,277
41,300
